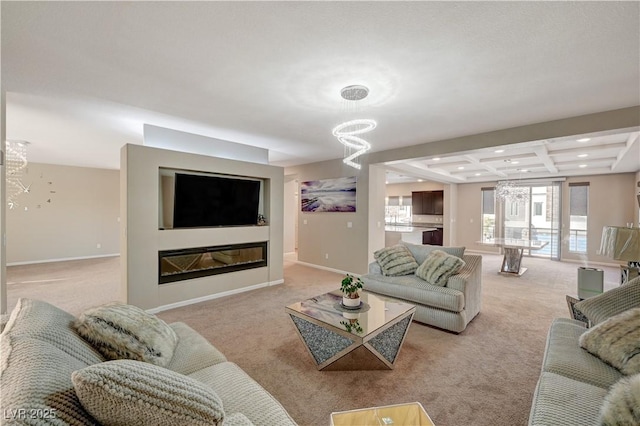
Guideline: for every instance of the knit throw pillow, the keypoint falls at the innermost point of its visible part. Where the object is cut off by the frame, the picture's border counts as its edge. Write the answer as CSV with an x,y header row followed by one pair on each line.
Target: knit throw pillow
x,y
622,404
396,260
120,331
438,267
127,392
616,341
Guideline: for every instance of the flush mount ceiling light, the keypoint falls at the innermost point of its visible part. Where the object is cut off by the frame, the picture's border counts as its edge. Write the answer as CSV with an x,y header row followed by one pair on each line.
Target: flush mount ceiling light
x,y
355,92
584,140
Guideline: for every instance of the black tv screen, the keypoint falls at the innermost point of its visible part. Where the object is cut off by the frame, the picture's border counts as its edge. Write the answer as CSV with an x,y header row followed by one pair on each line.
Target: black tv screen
x,y
202,201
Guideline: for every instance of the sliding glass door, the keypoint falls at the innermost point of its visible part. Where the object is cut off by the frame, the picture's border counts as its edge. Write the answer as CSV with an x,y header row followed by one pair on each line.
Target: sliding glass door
x,y
536,217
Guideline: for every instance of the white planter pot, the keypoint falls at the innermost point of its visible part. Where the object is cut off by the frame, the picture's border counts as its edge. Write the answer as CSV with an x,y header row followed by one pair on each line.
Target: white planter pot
x,y
350,302
351,315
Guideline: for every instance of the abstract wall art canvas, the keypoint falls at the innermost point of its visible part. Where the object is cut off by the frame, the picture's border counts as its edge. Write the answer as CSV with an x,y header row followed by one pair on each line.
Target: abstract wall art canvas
x,y
329,195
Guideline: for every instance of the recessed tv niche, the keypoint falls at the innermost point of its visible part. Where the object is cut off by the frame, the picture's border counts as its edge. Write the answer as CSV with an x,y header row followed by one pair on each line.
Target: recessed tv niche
x,y
201,200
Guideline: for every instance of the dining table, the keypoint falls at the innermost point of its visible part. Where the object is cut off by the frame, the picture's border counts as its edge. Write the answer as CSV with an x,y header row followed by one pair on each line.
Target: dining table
x,y
513,250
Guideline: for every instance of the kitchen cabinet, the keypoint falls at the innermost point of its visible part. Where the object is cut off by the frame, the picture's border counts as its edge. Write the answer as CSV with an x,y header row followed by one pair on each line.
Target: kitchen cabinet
x,y
433,237
427,202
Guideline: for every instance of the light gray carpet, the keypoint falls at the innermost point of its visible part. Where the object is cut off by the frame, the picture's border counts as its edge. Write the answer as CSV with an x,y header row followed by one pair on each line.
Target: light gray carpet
x,y
483,376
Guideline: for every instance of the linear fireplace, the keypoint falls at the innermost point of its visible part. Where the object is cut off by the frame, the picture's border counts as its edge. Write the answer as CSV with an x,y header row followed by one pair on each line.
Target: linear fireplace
x,y
185,264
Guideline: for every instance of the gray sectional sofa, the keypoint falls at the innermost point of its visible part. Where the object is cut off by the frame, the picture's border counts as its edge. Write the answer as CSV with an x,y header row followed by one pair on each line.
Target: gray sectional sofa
x,y
451,307
39,352
574,384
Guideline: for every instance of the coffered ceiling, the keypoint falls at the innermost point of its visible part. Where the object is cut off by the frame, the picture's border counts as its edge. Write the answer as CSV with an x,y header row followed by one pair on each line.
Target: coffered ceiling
x,y
82,78
612,153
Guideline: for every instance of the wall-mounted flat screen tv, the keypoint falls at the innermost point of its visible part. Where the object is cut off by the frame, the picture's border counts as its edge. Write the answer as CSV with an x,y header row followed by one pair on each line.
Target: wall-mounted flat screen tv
x,y
203,201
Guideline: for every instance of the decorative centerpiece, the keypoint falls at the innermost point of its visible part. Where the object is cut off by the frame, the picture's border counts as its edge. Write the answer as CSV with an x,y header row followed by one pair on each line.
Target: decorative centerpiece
x,y
350,287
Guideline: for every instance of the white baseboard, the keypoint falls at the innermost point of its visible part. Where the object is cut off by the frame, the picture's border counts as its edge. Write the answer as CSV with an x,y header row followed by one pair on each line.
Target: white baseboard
x,y
212,296
64,259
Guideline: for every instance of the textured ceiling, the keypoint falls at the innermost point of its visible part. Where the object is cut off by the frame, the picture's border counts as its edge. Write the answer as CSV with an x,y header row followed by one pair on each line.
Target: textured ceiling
x,y
82,77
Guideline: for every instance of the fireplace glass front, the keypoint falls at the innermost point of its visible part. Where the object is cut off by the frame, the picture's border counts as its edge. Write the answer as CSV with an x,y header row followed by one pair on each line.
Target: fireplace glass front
x,y
184,264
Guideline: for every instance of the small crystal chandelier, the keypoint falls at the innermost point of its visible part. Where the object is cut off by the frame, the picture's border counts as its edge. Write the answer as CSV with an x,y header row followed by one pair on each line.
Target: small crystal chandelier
x,y
346,132
509,190
16,165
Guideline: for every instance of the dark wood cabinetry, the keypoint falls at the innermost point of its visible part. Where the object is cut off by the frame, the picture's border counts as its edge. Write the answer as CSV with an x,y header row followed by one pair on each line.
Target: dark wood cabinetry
x,y
427,202
433,238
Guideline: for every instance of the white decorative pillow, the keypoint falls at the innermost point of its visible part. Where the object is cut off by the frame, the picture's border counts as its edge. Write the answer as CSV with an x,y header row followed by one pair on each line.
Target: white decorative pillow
x,y
122,331
438,267
622,403
128,392
396,260
616,341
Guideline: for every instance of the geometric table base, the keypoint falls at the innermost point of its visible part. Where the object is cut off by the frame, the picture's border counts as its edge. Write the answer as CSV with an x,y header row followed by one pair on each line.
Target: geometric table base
x,y
334,349
512,260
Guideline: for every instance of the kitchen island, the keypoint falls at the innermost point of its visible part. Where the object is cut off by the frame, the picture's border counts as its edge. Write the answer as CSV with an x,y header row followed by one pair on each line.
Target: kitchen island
x,y
410,233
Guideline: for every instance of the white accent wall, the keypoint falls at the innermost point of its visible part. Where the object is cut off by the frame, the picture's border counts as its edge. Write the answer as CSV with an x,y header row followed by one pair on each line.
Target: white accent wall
x,y
141,239
69,213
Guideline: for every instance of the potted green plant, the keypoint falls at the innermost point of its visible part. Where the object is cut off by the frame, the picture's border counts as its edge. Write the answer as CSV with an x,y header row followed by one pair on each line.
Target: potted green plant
x,y
350,287
353,325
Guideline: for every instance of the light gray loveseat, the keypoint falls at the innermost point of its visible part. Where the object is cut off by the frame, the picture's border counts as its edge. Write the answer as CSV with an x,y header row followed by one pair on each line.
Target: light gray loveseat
x,y
39,350
573,383
451,307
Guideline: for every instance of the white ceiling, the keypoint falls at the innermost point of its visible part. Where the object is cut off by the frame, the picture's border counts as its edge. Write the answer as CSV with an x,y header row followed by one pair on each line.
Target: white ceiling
x,y
83,77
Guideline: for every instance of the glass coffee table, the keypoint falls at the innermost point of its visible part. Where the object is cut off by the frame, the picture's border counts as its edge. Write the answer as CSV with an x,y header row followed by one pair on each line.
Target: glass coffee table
x,y
337,338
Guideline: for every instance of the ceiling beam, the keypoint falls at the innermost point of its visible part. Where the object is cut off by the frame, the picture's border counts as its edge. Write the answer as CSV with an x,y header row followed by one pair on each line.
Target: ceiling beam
x,y
487,167
633,138
587,148
503,158
543,155
422,168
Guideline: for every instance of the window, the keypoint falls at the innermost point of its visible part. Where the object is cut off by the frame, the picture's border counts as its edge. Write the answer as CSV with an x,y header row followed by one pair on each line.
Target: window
x,y
488,214
397,209
514,209
578,212
537,208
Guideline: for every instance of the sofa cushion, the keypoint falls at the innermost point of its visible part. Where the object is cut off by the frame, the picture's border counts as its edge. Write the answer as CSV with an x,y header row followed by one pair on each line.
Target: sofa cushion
x,y
236,419
42,321
193,352
38,352
421,251
240,393
121,331
564,356
396,260
438,267
559,400
616,341
611,303
132,392
622,403
415,290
